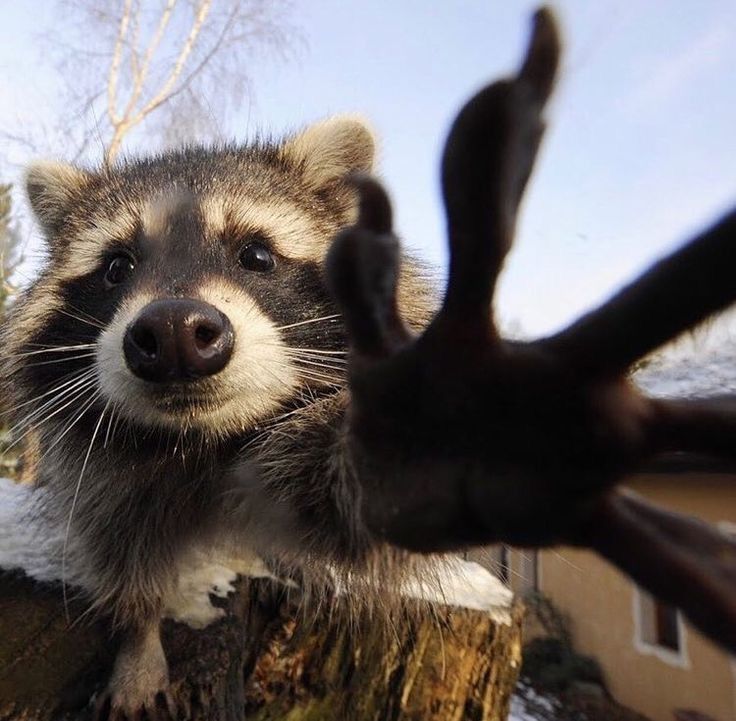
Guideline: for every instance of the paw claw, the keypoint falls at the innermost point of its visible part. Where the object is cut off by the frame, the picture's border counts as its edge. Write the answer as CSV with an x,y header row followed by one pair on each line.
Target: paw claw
x,y
160,706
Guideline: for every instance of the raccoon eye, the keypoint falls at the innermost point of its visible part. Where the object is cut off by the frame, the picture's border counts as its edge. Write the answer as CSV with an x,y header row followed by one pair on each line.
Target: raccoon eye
x,y
120,269
256,256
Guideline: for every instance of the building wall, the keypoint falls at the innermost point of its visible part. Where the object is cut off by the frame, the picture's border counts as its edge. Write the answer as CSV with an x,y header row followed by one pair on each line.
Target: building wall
x,y
602,605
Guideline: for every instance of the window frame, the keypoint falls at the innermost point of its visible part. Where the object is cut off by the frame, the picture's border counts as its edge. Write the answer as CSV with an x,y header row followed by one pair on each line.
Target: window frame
x,y
680,658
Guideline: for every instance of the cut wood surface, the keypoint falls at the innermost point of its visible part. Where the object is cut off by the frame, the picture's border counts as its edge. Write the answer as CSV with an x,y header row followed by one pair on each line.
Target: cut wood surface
x,y
264,660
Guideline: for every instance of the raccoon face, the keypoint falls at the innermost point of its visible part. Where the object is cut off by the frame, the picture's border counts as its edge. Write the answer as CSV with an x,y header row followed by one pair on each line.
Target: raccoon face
x,y
188,288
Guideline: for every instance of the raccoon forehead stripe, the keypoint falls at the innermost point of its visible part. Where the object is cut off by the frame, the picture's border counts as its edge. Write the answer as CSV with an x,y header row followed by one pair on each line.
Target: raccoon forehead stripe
x,y
90,243
159,215
294,233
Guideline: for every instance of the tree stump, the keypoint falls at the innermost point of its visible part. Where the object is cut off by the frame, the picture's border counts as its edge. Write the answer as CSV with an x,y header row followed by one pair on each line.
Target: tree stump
x,y
266,660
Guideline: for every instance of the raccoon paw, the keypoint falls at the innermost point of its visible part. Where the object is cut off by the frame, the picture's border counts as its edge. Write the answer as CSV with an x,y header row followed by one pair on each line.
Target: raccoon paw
x,y
458,438
139,686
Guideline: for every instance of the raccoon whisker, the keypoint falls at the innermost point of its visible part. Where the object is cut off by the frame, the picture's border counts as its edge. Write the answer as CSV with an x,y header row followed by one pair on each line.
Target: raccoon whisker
x,y
87,315
290,366
318,359
335,362
318,364
94,324
316,350
266,428
294,352
53,349
109,433
309,374
331,382
326,380
72,379
311,320
77,418
278,419
117,422
68,379
61,360
70,394
179,439
321,374
44,345
80,385
307,368
73,506
36,422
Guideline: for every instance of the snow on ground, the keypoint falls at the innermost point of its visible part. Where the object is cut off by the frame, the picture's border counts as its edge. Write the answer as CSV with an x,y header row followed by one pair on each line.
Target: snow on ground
x,y
529,705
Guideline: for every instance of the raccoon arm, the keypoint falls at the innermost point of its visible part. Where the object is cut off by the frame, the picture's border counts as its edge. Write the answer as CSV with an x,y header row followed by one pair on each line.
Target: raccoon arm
x,y
300,494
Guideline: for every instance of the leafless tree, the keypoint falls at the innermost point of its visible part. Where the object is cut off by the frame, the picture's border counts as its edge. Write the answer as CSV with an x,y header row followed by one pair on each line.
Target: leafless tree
x,y
164,71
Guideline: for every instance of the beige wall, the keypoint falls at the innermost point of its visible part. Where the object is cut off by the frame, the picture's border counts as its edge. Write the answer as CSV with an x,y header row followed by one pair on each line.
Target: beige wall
x,y
601,603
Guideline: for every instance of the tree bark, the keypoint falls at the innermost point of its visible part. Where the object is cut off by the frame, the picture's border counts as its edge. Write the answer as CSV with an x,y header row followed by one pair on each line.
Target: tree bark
x,y
266,660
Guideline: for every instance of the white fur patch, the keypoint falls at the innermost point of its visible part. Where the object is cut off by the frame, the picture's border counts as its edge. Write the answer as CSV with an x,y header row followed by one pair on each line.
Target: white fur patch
x,y
204,573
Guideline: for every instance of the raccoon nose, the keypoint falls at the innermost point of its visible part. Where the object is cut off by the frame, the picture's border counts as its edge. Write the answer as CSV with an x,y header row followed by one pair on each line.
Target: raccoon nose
x,y
178,339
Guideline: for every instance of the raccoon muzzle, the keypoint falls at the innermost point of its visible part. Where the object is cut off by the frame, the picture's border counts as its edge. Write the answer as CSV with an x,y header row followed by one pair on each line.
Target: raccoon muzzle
x,y
178,339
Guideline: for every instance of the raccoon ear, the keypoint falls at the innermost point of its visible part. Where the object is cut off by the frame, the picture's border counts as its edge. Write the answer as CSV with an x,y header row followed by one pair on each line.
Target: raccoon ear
x,y
328,150
52,188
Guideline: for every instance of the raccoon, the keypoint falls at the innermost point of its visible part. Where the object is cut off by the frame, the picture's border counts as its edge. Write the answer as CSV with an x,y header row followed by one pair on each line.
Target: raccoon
x,y
181,366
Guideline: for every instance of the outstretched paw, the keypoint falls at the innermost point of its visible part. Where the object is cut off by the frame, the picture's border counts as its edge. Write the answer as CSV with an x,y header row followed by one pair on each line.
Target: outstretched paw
x,y
461,438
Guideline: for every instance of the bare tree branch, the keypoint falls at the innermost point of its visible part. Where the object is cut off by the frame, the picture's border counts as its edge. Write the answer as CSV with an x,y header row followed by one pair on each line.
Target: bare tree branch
x,y
186,83
123,63
112,81
163,93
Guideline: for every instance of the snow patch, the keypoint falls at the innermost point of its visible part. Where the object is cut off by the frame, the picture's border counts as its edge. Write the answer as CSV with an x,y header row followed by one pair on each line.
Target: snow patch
x,y
31,543
28,541
530,705
465,584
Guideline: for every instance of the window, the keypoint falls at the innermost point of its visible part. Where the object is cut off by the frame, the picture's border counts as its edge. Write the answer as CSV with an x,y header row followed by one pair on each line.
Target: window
x,y
666,630
659,629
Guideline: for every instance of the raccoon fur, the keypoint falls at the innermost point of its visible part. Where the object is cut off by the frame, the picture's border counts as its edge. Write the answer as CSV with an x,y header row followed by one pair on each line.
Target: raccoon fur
x,y
181,366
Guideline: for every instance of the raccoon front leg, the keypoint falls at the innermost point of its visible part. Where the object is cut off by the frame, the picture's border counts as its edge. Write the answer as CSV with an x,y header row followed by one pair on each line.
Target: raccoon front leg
x,y
139,684
458,437
131,572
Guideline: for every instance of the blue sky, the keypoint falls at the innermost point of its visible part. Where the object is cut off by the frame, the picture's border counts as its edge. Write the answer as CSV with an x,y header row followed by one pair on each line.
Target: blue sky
x,y
640,152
